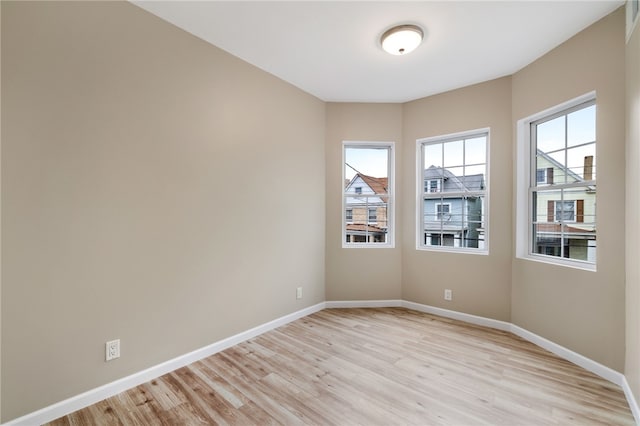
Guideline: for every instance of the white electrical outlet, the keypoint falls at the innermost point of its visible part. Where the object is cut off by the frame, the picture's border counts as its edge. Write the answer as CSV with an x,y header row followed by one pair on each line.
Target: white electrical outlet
x,y
448,294
299,293
112,350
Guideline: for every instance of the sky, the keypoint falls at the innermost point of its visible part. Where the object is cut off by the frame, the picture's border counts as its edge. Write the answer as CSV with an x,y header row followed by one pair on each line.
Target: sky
x,y
580,129
369,161
373,161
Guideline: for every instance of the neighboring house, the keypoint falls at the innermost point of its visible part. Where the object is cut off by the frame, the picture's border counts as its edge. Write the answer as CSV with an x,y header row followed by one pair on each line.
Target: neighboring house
x,y
454,220
366,209
576,212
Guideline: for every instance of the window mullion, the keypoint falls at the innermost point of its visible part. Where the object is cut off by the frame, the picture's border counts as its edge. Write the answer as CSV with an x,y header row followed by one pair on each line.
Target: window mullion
x,y
566,180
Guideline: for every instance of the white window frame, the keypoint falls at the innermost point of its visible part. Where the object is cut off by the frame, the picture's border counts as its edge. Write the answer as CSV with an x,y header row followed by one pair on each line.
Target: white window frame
x,y
390,243
632,16
524,232
419,231
544,176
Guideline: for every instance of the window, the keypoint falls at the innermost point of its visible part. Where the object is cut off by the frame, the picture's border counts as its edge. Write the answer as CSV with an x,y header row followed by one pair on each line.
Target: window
x,y
446,240
452,182
367,198
565,211
373,215
442,211
556,218
544,176
433,185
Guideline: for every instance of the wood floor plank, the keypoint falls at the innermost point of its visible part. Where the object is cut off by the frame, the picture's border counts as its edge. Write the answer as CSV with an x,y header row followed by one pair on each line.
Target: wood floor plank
x,y
375,366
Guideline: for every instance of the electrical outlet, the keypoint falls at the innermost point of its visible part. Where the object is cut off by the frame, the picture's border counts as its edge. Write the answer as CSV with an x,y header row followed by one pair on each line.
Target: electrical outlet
x,y
299,293
112,350
448,294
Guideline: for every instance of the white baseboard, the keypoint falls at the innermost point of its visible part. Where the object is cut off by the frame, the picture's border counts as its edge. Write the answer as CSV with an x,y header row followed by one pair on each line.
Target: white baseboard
x,y
364,304
633,404
472,319
584,362
85,399
92,396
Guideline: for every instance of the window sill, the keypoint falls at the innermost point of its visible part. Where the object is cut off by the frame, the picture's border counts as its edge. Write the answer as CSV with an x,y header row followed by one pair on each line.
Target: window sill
x,y
575,264
440,249
368,245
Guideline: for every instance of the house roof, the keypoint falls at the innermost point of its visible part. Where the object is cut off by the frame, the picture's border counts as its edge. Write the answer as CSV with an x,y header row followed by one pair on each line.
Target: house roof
x,y
453,183
558,165
437,226
379,185
556,227
353,227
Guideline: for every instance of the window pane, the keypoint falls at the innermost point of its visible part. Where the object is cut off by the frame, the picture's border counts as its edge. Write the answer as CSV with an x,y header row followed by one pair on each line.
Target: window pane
x,y
474,178
581,126
585,205
582,163
475,151
475,170
547,239
366,224
551,135
555,166
453,179
544,203
433,155
461,219
453,154
367,161
565,241
565,223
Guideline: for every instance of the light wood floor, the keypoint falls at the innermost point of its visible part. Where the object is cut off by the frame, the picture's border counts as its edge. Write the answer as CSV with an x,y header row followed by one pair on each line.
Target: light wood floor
x,y
386,366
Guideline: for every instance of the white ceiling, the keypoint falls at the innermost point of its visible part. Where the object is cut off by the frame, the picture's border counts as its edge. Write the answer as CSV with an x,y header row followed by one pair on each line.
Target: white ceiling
x,y
331,49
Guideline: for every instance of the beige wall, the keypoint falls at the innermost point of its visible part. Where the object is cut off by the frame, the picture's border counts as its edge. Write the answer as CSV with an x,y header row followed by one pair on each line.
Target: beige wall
x,y
632,358
356,273
583,311
480,284
147,182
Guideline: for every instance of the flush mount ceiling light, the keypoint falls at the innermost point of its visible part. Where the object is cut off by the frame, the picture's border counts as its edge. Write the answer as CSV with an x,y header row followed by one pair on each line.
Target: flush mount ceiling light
x,y
401,39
